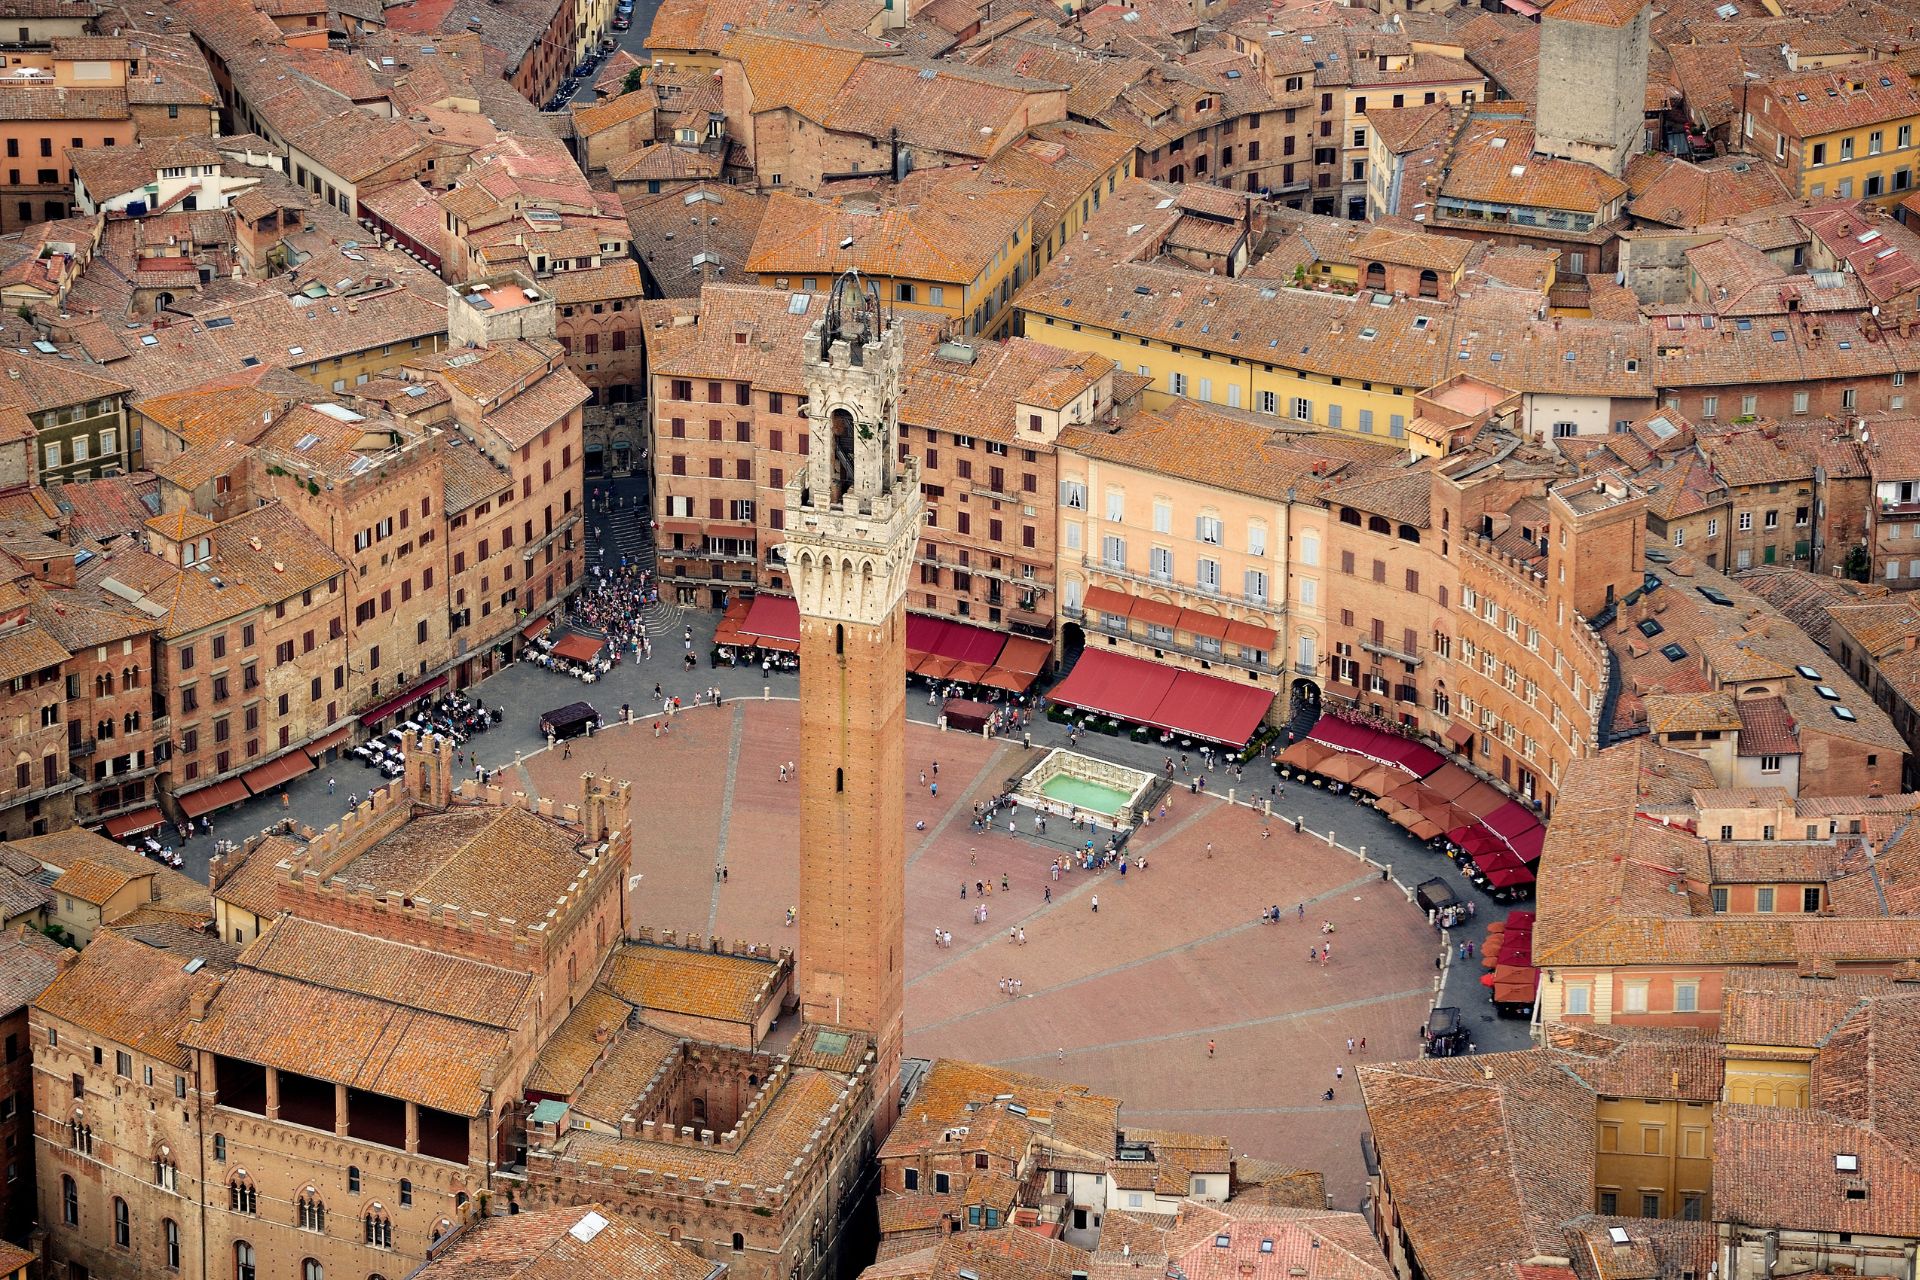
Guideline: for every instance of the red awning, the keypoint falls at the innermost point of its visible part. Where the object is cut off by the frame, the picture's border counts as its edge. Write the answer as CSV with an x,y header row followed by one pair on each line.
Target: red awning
x,y
578,648
967,672
1249,636
1115,604
681,526
217,796
773,617
1022,654
1528,845
1459,733
1150,694
1481,800
1155,614
320,746
1510,820
728,632
275,772
132,823
536,627
1212,625
406,699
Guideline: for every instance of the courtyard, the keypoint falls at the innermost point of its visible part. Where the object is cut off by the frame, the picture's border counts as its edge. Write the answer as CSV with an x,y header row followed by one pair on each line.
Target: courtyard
x,y
1125,998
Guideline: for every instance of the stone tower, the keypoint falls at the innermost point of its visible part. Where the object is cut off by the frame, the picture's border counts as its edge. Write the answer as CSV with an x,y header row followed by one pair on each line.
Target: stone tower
x,y
853,523
1593,81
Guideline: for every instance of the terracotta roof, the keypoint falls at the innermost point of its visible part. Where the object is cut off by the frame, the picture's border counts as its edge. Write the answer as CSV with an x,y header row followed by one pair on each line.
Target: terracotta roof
x,y
1766,727
1816,103
134,990
29,961
452,859
694,983
561,1244
945,226
571,1051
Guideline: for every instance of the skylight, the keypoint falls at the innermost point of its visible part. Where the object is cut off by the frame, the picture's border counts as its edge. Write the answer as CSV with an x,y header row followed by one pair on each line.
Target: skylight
x,y
1844,714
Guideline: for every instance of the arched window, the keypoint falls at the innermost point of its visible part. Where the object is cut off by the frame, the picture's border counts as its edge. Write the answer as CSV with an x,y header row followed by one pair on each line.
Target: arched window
x,y
379,1228
69,1201
243,1261
242,1197
170,1236
310,1269
166,1174
353,1179
122,1225
1349,516
406,1191
1407,533
312,1211
80,1137
1429,283
1376,276
739,1242
459,1199
1379,524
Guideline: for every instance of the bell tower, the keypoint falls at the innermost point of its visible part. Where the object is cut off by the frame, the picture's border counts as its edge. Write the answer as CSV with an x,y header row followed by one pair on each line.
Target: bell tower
x,y
853,523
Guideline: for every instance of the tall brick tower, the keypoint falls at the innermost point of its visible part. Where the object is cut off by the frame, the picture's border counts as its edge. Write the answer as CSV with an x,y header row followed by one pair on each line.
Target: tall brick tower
x,y
853,522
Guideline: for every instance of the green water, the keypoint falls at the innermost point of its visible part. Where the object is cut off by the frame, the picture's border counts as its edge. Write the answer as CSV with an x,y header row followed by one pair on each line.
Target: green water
x,y
1090,796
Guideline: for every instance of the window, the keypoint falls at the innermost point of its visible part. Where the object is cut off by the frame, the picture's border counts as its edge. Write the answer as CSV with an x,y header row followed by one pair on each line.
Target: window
x,y
1579,999
1633,998
170,1237
1763,900
1769,764
1209,529
243,1266
406,1191
311,1270
242,1197
1720,899
378,1228
1686,997
220,1147
353,1179
311,1212
122,1225
69,1201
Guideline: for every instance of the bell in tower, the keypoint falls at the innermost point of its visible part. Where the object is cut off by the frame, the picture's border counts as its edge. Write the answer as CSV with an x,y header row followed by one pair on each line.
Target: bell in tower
x,y
853,380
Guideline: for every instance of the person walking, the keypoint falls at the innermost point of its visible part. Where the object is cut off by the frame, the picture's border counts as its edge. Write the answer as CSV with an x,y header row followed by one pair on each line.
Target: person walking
x,y
1096,904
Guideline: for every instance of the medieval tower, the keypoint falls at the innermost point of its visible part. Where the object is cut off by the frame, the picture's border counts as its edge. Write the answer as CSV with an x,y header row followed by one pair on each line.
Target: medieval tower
x,y
853,523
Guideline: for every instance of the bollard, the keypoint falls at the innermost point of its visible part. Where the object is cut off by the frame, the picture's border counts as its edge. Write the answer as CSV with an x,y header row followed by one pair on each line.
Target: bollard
x,y
1329,837
942,722
516,757
763,693
1363,853
1386,872
986,734
1266,808
1230,791
549,742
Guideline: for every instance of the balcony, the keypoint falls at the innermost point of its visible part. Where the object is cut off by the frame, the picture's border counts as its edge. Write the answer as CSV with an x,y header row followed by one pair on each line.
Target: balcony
x,y
1275,607
1412,659
1119,629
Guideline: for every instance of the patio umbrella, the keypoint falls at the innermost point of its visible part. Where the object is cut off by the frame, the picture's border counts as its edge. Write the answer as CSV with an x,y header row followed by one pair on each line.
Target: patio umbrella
x,y
1307,754
1345,768
1519,919
1402,817
1390,808
1518,951
1378,780
1482,800
1409,794
1509,877
1423,830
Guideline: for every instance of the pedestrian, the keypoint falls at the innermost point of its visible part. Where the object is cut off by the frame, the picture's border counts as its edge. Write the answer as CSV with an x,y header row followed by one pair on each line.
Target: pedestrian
x,y
963,891
1313,953
286,802
1209,848
923,777
936,768
1003,881
1209,1046
1303,911
1096,904
1349,1044
1339,1074
1363,1044
1048,895
1023,935
935,787
329,786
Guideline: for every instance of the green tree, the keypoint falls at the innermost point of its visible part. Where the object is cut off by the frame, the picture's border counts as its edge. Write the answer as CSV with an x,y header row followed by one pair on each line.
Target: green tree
x,y
632,81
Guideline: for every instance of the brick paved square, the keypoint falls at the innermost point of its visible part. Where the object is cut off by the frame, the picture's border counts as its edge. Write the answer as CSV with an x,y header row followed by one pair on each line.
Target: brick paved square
x,y
1124,999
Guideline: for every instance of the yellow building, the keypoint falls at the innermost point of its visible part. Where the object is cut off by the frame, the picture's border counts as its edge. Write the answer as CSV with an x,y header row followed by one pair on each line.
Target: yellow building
x,y
1655,1158
1308,358
1187,537
1843,132
941,244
